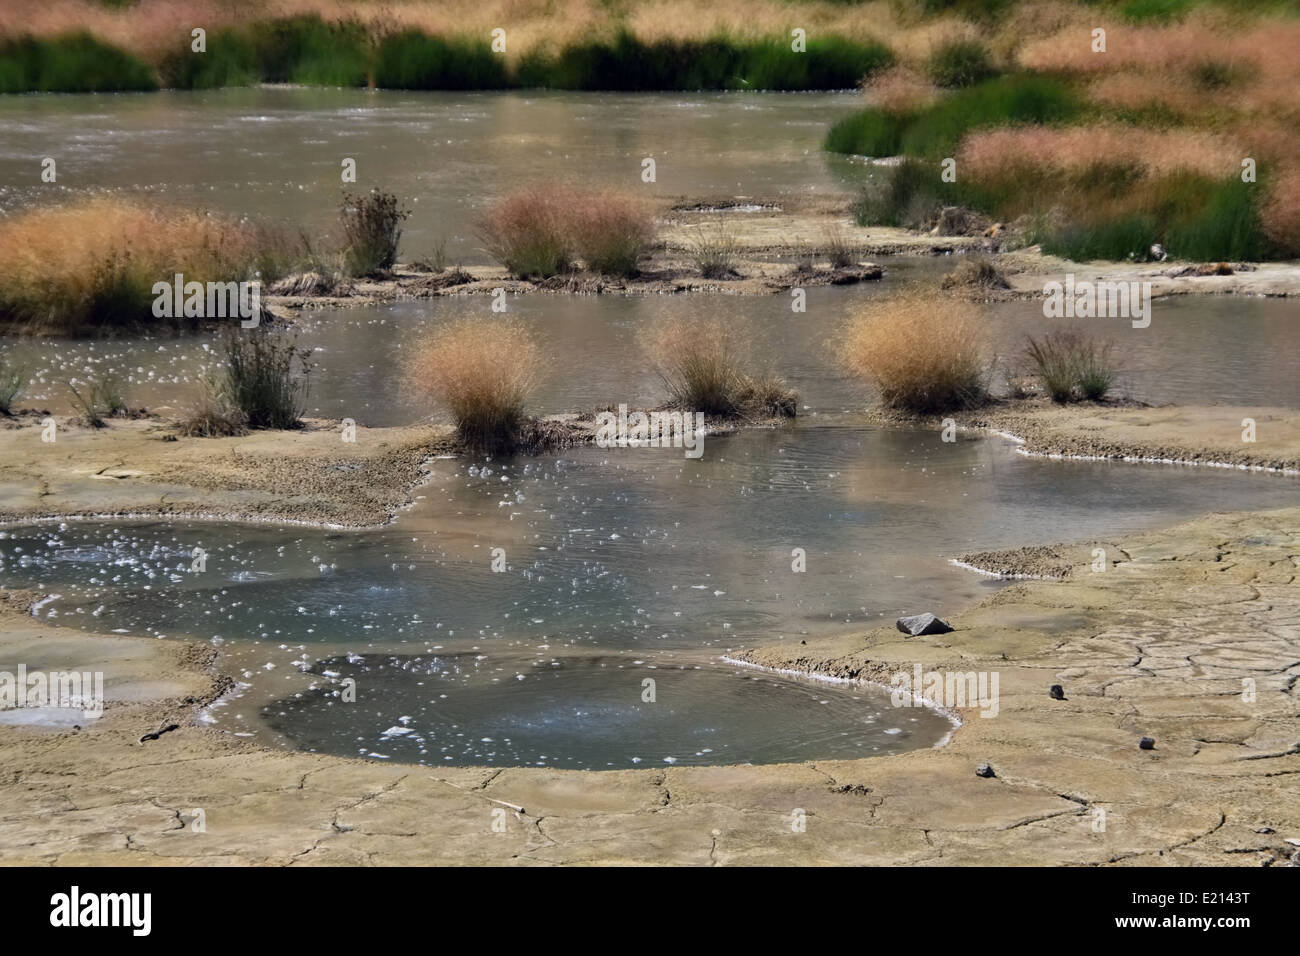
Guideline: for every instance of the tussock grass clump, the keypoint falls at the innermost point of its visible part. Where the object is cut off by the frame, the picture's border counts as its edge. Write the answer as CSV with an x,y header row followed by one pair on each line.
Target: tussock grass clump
x,y
434,260
922,355
713,250
372,228
841,252
101,398
978,274
482,371
90,266
703,364
528,233
540,232
611,231
214,415
960,63
264,378
13,379
1071,365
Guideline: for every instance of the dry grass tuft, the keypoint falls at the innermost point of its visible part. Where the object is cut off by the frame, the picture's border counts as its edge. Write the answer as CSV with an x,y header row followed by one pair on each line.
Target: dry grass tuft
x,y
92,264
481,371
541,231
704,365
922,355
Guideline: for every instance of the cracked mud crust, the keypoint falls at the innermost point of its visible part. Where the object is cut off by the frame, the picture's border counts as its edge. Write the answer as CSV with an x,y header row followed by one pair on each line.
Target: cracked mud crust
x,y
1157,645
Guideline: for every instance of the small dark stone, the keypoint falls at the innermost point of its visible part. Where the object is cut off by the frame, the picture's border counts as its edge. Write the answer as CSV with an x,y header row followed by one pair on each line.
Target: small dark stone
x,y
1057,692
919,624
803,642
1147,743
984,770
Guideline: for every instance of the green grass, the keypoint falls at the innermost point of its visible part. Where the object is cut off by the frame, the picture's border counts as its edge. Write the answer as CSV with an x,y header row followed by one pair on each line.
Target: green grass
x,y
412,60
961,63
309,50
71,63
936,130
264,378
720,63
1192,217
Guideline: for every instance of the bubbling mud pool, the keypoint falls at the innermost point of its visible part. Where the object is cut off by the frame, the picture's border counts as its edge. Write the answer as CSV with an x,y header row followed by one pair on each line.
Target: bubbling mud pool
x,y
591,713
615,565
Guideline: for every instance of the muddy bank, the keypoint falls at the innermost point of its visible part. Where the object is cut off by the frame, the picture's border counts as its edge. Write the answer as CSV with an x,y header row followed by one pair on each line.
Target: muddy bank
x,y
1185,434
139,468
1158,645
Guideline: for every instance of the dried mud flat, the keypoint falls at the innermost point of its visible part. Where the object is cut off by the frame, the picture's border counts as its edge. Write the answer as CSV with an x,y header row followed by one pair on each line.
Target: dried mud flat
x,y
1156,645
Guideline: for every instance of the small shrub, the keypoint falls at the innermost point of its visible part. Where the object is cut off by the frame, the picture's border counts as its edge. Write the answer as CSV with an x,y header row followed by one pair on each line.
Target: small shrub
x,y
264,377
1096,372
920,354
713,250
960,63
372,228
539,232
1071,365
482,372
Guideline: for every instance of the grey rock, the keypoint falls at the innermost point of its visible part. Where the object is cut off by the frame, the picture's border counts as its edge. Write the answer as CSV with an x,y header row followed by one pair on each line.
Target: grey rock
x,y
1057,692
984,770
919,624
1147,743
